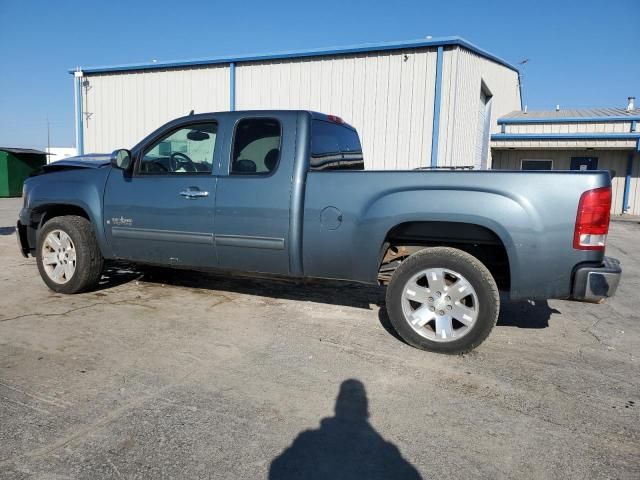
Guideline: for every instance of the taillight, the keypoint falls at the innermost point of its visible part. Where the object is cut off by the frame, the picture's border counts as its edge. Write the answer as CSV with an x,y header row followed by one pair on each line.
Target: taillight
x,y
592,221
335,119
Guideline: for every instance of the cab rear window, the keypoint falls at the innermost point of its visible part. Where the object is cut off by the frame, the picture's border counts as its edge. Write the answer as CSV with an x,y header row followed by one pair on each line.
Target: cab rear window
x,y
334,147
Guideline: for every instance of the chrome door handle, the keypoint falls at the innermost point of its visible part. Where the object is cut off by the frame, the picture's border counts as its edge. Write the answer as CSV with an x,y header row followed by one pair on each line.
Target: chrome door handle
x,y
194,193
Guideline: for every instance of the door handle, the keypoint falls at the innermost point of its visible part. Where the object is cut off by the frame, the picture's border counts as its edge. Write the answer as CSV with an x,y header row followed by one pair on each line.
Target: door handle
x,y
194,193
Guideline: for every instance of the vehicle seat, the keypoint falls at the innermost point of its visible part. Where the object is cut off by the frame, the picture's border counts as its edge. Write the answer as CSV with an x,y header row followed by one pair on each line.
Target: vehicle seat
x,y
271,159
244,166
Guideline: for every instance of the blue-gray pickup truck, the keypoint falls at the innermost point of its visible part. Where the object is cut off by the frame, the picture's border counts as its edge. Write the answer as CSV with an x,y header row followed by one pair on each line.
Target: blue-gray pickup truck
x,y
284,193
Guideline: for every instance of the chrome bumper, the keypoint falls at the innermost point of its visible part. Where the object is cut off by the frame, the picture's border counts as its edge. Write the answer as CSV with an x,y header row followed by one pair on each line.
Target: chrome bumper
x,y
595,283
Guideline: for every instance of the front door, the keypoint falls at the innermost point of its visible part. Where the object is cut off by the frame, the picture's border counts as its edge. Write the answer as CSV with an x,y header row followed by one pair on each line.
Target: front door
x,y
163,213
584,163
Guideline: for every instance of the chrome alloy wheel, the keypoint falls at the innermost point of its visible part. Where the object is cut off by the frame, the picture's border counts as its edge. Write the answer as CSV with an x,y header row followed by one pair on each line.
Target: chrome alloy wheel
x,y
439,304
59,256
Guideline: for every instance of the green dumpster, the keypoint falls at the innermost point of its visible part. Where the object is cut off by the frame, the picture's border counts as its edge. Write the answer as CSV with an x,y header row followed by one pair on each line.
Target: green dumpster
x,y
16,164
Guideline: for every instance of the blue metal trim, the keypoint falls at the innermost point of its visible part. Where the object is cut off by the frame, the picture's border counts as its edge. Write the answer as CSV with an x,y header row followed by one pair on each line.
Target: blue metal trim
x,y
437,100
613,118
232,86
565,136
79,120
638,145
634,126
318,52
503,128
627,183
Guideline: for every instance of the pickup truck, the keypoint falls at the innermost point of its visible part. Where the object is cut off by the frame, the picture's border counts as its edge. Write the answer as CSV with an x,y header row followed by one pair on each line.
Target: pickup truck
x,y
284,193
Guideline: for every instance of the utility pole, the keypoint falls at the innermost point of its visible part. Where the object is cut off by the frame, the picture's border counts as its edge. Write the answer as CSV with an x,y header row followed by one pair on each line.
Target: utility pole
x,y
520,80
48,138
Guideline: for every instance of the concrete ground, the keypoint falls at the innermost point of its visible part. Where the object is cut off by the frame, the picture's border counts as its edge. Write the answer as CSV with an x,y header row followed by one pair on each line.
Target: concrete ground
x,y
189,375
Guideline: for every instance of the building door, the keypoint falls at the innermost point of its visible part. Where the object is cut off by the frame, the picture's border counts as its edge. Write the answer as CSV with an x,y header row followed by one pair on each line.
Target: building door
x,y
584,163
484,127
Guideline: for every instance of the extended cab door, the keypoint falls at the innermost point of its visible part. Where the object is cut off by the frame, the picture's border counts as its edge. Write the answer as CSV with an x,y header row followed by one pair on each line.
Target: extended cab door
x,y
253,195
163,211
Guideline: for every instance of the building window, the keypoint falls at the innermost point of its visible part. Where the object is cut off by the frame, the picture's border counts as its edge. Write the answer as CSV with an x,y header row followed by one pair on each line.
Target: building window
x,y
536,164
584,163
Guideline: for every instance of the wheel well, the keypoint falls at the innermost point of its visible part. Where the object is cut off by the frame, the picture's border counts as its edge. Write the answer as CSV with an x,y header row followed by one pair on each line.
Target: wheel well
x,y
44,213
481,242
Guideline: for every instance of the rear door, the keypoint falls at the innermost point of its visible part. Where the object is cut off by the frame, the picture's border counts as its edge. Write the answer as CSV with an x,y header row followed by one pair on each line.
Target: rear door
x,y
254,193
163,213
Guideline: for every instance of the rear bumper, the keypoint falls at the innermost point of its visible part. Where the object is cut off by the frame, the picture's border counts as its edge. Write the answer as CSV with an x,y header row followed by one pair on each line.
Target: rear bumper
x,y
594,283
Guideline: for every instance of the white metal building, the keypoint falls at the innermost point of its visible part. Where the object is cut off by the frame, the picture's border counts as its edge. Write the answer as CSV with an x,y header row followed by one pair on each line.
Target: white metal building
x,y
589,139
415,104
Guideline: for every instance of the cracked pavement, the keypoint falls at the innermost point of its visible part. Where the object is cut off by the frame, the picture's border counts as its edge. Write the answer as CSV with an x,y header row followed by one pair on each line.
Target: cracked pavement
x,y
162,374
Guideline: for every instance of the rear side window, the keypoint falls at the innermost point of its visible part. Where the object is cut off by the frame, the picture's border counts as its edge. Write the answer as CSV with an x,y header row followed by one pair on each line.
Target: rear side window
x,y
335,147
256,147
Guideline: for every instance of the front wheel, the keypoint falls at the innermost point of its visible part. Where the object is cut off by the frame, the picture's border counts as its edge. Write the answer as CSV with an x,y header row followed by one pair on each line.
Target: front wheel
x,y
443,300
67,254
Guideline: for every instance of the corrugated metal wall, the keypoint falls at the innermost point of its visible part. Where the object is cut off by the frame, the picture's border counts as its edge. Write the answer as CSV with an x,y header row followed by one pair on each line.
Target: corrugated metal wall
x,y
615,160
569,127
463,74
121,108
387,96
568,144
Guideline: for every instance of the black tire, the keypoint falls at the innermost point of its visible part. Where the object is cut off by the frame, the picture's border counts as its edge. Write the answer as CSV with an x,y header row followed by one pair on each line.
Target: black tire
x,y
472,270
89,261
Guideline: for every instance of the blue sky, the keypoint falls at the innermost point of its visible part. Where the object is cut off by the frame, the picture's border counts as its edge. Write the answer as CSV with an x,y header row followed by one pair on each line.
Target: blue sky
x,y
582,53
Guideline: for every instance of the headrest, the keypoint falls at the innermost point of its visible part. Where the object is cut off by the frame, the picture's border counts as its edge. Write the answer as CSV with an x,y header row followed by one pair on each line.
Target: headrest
x,y
244,166
271,159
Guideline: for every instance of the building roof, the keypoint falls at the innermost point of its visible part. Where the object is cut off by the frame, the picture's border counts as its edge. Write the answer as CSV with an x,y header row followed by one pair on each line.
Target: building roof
x,y
572,116
22,150
319,52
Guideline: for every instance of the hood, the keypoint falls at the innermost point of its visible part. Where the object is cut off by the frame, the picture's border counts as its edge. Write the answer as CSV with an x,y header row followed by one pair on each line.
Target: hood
x,y
93,160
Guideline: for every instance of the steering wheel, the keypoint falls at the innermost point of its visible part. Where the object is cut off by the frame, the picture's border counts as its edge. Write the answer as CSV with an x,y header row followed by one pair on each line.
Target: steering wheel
x,y
182,162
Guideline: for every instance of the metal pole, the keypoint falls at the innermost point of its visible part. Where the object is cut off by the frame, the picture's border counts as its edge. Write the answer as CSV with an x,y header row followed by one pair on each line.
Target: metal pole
x,y
77,94
627,184
232,86
435,132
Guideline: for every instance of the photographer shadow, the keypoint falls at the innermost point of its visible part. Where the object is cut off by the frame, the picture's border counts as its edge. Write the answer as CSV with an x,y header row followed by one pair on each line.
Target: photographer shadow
x,y
345,447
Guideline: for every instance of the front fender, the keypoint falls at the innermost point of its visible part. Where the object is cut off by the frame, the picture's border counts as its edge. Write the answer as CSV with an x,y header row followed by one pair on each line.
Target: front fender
x,y
77,188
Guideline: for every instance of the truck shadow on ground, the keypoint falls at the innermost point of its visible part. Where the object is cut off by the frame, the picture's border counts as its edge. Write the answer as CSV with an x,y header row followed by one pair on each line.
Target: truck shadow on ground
x,y
7,230
524,314
317,291
345,446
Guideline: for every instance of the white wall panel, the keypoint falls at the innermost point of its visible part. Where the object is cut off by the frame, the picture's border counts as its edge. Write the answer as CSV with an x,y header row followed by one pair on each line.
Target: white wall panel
x,y
591,127
387,97
625,144
121,108
463,74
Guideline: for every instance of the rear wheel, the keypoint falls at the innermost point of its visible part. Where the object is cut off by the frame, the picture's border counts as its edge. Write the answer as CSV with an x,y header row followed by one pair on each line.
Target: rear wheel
x,y
443,300
67,253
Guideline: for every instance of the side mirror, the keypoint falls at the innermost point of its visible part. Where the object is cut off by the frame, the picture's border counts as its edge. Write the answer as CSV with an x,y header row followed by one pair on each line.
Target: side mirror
x,y
121,159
